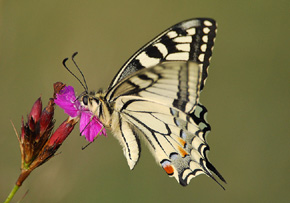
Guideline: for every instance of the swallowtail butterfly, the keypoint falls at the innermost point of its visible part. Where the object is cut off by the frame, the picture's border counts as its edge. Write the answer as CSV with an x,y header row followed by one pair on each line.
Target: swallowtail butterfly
x,y
155,95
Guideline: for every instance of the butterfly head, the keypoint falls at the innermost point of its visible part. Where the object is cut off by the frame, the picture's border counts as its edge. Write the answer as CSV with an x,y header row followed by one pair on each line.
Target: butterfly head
x,y
91,102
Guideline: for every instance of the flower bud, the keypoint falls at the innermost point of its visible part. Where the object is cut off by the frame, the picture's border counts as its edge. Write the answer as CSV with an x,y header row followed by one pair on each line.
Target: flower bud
x,y
46,117
35,111
62,132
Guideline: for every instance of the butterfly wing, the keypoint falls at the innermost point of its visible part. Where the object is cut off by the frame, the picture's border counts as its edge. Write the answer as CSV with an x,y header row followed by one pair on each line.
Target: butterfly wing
x,y
156,95
190,40
174,84
161,104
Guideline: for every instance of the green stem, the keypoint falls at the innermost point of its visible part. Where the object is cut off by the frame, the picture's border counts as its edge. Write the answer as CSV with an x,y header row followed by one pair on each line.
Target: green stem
x,y
12,193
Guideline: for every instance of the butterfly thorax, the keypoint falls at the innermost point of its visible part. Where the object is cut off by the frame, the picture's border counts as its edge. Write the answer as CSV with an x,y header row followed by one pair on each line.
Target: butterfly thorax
x,y
97,104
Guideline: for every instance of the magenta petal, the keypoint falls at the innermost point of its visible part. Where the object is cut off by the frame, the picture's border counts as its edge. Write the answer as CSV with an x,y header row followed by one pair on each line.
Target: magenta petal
x,y
66,100
91,126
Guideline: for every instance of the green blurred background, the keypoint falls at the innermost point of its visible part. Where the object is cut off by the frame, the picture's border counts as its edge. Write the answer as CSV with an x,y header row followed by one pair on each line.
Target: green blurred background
x,y
247,95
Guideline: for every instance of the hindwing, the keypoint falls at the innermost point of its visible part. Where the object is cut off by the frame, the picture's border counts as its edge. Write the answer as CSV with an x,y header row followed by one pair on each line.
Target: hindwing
x,y
161,104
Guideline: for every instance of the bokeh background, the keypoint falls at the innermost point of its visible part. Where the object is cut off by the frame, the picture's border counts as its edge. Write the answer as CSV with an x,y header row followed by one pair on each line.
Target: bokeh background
x,y
247,95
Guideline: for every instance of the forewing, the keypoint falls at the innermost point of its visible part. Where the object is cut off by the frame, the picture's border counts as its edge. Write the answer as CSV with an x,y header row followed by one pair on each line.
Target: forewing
x,y
174,84
190,40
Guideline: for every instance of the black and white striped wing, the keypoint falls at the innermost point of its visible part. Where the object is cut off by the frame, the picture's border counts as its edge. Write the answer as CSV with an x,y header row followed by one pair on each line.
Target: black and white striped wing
x,y
190,40
161,104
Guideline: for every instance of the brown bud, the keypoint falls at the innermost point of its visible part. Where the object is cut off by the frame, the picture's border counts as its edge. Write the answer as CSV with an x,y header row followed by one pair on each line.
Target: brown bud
x,y
58,86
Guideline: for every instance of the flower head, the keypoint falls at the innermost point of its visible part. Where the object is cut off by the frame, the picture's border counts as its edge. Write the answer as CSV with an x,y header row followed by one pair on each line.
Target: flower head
x,y
37,142
90,126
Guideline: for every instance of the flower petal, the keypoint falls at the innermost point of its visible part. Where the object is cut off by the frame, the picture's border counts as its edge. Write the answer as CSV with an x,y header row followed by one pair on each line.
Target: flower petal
x,y
66,100
90,126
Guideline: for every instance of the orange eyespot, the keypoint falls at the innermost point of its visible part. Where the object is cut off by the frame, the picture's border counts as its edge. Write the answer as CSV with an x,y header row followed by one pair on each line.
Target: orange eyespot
x,y
182,142
182,152
169,169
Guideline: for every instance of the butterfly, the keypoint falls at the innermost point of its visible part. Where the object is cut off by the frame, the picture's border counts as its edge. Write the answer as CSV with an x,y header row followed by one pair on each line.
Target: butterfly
x,y
155,96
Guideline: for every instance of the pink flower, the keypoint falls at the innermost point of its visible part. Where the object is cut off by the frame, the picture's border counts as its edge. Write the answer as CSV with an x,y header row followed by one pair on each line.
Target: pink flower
x,y
90,126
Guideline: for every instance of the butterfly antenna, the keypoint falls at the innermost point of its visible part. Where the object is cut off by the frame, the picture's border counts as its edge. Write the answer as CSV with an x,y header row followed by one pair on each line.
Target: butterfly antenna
x,y
73,59
63,63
